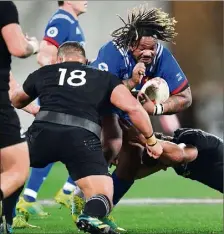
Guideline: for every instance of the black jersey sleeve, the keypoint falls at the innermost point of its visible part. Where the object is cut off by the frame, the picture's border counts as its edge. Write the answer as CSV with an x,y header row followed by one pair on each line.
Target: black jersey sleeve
x,y
200,139
8,13
114,82
30,85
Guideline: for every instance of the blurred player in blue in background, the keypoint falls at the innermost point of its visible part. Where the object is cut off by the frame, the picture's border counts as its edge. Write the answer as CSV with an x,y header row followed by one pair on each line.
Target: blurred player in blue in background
x,y
63,26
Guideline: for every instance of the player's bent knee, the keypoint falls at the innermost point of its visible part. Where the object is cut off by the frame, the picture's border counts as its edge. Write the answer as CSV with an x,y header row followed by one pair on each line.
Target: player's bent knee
x,y
96,184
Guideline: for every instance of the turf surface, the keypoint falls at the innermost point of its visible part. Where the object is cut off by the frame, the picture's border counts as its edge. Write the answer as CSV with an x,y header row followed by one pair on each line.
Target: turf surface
x,y
145,219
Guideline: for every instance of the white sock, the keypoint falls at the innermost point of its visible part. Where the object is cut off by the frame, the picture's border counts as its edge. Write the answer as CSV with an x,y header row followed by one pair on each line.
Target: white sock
x,y
69,187
30,193
78,192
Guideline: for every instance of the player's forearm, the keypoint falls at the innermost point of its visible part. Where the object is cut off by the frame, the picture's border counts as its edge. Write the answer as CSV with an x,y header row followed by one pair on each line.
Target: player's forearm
x,y
130,84
27,49
178,102
31,109
174,154
141,120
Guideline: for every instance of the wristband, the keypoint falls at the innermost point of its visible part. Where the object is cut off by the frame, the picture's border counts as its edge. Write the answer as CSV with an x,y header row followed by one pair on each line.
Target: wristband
x,y
35,46
158,109
151,141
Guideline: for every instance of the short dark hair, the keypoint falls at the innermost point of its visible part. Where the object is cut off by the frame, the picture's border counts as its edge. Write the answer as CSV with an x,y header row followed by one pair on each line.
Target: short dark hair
x,y
60,3
144,22
71,47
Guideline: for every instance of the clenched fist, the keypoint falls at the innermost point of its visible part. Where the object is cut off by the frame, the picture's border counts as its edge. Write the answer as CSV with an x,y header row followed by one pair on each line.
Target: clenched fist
x,y
138,73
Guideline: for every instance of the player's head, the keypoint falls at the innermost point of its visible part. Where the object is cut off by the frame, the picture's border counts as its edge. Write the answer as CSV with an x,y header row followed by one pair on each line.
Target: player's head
x,y
79,7
71,51
142,31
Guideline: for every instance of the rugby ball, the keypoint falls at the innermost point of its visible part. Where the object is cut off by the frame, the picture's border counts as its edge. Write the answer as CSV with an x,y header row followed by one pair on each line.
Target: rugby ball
x,y
156,89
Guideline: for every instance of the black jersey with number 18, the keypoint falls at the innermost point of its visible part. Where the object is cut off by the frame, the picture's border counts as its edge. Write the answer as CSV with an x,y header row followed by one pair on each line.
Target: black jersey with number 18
x,y
72,88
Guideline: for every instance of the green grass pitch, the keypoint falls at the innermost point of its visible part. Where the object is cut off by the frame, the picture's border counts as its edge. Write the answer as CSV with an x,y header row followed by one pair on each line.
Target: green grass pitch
x,y
145,219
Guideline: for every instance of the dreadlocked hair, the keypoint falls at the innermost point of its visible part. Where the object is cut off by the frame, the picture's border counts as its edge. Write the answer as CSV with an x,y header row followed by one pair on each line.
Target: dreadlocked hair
x,y
144,22
162,137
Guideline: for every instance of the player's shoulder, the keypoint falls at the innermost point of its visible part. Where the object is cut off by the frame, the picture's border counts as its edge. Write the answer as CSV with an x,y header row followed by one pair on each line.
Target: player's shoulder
x,y
47,68
111,47
7,8
62,16
95,70
7,5
163,52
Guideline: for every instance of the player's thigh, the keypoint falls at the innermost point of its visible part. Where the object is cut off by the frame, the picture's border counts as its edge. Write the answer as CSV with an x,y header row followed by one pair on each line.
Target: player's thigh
x,y
83,155
16,159
44,141
9,128
111,135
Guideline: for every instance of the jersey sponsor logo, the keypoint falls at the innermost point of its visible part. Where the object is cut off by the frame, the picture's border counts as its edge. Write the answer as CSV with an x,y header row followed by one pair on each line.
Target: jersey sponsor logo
x,y
52,32
103,67
179,76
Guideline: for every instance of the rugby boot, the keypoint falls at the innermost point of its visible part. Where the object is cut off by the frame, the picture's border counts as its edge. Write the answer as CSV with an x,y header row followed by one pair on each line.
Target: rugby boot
x,y
63,199
5,228
20,222
109,220
93,225
33,208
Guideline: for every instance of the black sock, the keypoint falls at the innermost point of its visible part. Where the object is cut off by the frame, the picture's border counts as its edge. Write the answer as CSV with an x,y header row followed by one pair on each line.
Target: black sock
x,y
1,195
97,206
9,204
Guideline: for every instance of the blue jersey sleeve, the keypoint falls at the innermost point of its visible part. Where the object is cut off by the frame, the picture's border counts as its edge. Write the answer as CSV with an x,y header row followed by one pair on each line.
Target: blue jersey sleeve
x,y
172,73
57,31
109,59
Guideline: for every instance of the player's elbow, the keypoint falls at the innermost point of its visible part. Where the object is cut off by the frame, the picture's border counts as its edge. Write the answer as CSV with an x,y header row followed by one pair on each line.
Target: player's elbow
x,y
188,101
188,97
16,103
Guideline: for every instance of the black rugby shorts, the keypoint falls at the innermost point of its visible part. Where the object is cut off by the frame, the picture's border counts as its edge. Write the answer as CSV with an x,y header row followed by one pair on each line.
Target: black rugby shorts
x,y
9,128
77,148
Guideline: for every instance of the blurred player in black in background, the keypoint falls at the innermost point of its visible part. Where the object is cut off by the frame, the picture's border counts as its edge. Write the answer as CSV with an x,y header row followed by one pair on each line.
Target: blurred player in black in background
x,y
14,155
72,98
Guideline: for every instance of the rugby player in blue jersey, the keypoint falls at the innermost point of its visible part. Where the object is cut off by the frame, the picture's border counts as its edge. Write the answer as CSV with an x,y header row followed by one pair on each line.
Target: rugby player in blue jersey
x,y
136,55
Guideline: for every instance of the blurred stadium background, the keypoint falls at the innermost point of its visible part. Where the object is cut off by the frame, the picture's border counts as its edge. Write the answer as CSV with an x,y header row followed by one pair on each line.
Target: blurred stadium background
x,y
199,51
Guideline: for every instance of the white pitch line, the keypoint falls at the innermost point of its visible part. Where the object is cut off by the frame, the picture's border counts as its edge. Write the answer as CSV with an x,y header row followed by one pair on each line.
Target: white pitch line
x,y
155,201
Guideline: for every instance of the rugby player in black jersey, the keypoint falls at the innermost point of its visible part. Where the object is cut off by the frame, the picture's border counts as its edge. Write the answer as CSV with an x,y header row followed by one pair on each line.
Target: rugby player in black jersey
x,y
73,96
14,154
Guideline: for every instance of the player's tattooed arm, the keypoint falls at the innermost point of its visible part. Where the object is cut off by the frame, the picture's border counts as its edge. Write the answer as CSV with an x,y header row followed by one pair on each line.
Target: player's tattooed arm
x,y
178,102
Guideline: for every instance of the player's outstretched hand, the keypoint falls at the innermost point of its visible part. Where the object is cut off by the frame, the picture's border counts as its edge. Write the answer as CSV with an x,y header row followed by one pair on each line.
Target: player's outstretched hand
x,y
146,103
154,151
138,72
34,42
